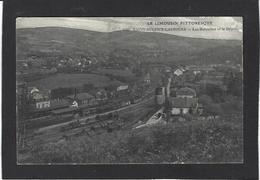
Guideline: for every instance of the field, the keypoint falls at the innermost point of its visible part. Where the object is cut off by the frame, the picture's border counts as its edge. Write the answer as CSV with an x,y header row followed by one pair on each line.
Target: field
x,y
72,80
116,72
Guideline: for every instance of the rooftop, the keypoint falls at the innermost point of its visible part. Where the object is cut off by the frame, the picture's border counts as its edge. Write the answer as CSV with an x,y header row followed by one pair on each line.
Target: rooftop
x,y
59,103
186,91
183,102
81,96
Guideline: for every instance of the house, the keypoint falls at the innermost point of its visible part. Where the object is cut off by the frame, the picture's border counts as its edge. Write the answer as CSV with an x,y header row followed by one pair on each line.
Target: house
x,y
82,99
196,72
33,90
178,72
147,78
183,101
184,105
190,76
59,103
122,90
185,93
160,95
38,99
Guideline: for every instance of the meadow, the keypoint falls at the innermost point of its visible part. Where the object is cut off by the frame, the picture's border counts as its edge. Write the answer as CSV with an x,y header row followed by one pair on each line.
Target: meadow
x,y
72,80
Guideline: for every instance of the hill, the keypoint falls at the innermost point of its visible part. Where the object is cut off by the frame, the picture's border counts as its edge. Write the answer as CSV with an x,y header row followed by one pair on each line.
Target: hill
x,y
60,42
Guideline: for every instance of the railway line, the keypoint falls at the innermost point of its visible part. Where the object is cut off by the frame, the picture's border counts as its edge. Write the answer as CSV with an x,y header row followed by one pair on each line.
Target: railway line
x,y
63,115
94,115
54,136
87,126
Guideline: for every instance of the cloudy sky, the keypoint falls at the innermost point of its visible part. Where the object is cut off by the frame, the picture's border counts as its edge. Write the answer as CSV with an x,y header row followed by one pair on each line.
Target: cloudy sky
x,y
214,27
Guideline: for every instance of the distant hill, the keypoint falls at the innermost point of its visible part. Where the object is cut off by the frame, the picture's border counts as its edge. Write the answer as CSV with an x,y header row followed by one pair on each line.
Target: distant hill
x,y
59,41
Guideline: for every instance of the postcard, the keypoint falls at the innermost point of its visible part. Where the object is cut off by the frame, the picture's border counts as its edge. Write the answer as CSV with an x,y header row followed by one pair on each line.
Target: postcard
x,y
129,90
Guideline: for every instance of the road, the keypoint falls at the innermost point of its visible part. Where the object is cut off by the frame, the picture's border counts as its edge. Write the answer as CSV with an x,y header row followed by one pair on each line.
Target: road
x,y
154,119
91,116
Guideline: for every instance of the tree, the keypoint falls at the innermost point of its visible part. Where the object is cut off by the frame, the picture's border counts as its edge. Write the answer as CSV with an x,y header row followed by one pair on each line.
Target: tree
x,y
215,92
233,81
209,106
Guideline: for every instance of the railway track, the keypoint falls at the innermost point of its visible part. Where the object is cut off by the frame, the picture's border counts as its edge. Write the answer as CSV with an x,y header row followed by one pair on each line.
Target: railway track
x,y
93,116
80,129
55,133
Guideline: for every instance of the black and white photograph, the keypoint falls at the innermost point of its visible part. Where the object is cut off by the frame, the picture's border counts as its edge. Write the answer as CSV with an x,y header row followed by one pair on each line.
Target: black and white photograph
x,y
129,90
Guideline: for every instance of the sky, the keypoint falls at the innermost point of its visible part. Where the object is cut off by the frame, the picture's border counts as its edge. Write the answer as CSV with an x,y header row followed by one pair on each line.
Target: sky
x,y
212,27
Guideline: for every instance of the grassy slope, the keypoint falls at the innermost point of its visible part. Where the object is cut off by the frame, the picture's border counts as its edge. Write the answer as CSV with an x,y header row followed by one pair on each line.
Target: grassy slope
x,y
188,142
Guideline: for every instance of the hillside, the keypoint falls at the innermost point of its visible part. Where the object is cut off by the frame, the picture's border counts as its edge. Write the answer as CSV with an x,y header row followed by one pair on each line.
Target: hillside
x,y
189,142
59,41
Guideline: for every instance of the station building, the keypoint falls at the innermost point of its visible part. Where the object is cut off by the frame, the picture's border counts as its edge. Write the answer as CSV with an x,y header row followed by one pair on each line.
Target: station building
x,y
184,101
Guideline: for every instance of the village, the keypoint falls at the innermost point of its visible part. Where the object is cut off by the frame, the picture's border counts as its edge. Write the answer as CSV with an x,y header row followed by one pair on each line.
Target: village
x,y
163,93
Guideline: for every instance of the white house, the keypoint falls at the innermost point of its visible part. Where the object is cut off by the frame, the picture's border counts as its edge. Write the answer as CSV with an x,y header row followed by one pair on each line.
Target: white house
x,y
178,72
39,100
183,105
184,101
